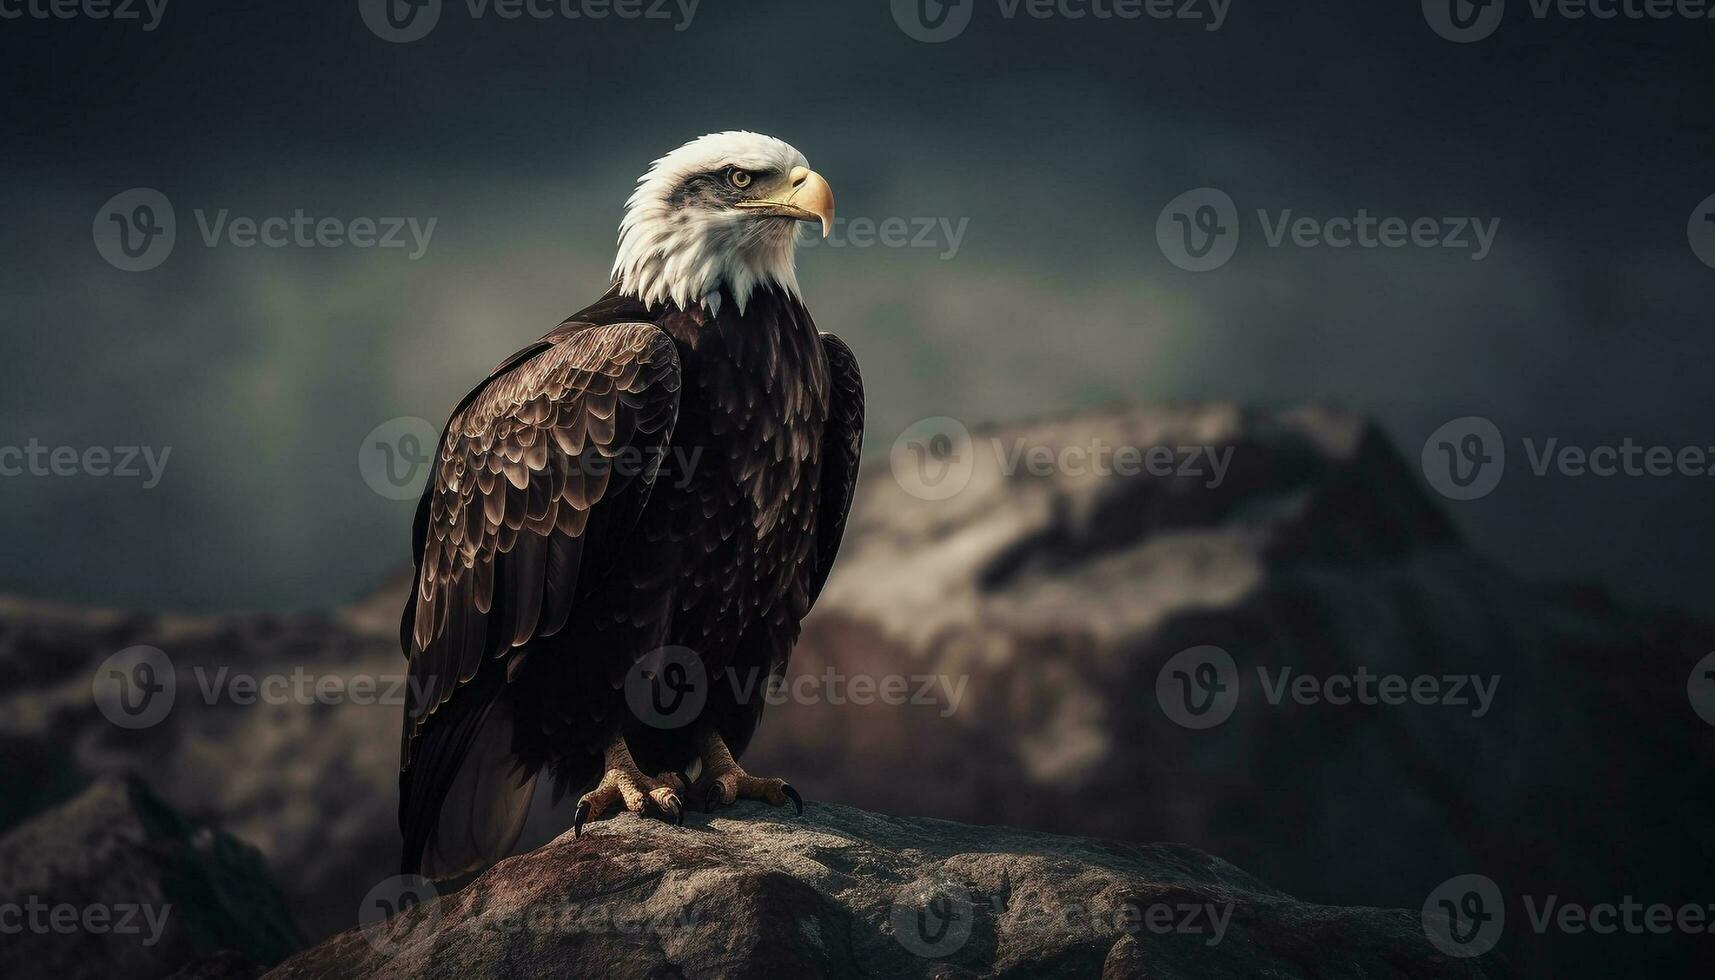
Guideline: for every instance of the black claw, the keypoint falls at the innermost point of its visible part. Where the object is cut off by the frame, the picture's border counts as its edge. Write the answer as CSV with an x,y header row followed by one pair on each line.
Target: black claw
x,y
578,818
712,798
678,810
792,794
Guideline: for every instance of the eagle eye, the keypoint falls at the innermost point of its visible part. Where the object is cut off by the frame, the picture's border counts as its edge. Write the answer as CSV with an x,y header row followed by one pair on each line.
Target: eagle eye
x,y
738,178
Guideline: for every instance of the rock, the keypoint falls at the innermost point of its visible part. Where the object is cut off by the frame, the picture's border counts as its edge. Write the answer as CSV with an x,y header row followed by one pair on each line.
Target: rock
x,y
1058,600
114,884
839,892
312,781
1044,609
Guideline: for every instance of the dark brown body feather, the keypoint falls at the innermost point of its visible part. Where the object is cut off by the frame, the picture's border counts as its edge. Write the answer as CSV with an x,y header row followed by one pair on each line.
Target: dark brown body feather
x,y
638,478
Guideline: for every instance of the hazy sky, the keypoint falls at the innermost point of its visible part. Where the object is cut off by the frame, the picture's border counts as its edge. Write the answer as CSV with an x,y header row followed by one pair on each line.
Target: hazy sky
x,y
1037,153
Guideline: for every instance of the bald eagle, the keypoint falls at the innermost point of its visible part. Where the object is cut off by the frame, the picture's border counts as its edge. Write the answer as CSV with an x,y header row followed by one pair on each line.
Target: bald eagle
x,y
668,469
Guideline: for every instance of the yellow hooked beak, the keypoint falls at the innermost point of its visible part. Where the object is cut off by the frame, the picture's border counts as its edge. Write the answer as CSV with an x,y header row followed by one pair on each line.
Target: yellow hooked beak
x,y
804,197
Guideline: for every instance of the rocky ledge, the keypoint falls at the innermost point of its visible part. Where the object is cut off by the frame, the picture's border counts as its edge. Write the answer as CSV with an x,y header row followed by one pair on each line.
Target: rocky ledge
x,y
841,892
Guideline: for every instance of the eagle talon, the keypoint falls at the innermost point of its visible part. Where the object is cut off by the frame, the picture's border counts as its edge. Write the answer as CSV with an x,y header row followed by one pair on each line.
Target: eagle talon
x,y
578,818
792,794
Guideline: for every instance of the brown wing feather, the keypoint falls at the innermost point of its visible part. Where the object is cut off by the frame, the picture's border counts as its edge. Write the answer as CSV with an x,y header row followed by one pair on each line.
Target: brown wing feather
x,y
501,527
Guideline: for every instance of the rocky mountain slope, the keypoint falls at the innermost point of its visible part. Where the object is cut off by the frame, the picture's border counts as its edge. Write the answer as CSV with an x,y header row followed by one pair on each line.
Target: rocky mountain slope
x,y
115,884
1037,623
840,892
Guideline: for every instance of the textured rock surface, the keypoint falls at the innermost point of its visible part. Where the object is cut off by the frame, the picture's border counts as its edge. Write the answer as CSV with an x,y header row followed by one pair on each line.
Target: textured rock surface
x,y
147,892
755,893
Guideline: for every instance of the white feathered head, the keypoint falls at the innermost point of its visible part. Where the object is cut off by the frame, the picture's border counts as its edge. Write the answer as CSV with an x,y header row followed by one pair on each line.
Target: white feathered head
x,y
721,210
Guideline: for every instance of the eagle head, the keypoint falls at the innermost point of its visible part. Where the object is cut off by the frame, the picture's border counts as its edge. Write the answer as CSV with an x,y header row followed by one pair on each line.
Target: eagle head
x,y
722,210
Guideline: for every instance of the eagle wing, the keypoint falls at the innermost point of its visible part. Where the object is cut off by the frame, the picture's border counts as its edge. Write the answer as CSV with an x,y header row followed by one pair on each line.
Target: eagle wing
x,y
540,474
842,443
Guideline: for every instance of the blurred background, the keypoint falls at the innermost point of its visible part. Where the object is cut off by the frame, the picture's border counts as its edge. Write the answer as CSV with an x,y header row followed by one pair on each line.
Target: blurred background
x,y
1033,302
1053,143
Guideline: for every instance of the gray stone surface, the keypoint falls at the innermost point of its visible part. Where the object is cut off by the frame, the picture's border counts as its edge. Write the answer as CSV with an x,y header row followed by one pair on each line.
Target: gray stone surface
x,y
839,892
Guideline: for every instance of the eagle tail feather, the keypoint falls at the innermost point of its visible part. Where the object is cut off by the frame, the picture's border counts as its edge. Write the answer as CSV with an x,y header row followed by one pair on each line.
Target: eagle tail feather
x,y
467,794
